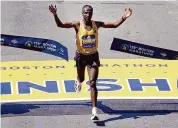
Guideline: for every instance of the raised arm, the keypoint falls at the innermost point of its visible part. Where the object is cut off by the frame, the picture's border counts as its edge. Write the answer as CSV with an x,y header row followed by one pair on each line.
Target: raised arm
x,y
58,21
128,12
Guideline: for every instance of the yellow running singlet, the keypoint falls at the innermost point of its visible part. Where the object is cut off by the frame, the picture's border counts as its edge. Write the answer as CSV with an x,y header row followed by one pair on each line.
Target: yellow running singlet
x,y
87,41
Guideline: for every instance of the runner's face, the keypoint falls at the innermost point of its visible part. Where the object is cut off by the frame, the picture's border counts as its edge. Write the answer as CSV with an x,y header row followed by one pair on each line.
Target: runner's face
x,y
87,14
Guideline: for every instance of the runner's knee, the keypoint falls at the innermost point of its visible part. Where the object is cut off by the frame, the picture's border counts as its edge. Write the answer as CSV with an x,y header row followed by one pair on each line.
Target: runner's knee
x,y
93,85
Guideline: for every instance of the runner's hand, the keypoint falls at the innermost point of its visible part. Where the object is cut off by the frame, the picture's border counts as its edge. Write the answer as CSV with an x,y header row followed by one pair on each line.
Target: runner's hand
x,y
53,9
128,12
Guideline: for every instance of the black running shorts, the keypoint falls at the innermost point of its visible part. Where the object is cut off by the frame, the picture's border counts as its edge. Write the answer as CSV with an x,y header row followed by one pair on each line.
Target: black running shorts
x,y
90,60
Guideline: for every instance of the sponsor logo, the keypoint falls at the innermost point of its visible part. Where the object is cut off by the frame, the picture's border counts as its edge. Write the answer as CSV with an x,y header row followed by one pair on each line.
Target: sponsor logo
x,y
14,41
2,41
28,44
124,47
62,50
163,54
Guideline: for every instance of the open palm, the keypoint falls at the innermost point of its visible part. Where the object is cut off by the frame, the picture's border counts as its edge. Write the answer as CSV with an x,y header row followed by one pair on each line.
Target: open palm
x,y
128,12
53,9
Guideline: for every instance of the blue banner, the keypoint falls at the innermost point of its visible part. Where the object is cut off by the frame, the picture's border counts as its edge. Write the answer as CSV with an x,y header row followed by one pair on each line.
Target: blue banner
x,y
37,44
143,50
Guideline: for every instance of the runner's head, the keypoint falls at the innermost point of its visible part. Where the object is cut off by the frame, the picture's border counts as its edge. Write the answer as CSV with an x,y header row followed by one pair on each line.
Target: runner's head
x,y
87,12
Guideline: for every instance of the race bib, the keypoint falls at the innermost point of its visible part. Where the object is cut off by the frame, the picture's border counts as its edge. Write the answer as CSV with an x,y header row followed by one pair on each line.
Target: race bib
x,y
88,41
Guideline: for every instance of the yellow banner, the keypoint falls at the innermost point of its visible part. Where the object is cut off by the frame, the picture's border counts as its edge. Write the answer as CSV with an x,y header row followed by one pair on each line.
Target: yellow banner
x,y
118,79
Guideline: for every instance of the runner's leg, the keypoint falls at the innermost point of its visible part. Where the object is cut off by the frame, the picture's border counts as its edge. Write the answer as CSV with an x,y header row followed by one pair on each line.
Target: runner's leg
x,y
93,75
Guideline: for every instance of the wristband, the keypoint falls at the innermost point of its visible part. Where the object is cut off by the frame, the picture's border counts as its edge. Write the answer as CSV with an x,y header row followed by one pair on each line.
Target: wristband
x,y
123,18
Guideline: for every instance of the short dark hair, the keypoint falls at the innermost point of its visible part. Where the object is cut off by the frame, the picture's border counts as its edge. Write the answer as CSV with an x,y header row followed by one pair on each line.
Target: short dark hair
x,y
87,6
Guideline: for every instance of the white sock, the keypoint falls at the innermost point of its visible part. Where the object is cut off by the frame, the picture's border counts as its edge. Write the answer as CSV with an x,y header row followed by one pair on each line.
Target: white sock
x,y
94,110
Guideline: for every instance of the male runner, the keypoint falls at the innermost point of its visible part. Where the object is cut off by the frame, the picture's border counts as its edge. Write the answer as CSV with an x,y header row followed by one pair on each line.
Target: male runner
x,y
87,44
